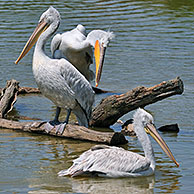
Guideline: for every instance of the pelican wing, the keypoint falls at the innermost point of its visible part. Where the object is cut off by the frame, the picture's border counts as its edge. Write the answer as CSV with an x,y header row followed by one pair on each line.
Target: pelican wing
x,y
72,45
71,40
108,161
78,85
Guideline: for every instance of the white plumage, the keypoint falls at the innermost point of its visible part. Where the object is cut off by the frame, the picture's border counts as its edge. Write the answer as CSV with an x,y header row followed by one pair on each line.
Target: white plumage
x,y
111,161
77,48
58,79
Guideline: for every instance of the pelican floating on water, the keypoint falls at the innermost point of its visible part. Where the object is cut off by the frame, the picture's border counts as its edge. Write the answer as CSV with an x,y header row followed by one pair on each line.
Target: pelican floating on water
x,y
110,161
58,79
77,48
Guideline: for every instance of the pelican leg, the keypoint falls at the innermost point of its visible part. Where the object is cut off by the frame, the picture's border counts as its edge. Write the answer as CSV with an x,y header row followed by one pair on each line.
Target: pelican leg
x,y
51,124
58,110
61,127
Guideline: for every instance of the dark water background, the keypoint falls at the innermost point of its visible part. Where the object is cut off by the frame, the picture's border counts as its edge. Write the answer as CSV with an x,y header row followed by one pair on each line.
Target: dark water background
x,y
154,42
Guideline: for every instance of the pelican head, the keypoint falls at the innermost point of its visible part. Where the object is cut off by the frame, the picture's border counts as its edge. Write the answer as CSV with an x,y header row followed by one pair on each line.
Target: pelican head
x,y
143,117
51,16
99,52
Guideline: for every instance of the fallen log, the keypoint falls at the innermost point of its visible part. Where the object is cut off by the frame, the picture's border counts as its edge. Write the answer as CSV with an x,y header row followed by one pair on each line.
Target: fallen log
x,y
106,113
71,131
26,90
31,90
113,107
8,98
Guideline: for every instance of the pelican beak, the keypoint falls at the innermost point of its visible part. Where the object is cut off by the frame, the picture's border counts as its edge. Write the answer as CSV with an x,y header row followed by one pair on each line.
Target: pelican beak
x,y
41,27
154,133
99,53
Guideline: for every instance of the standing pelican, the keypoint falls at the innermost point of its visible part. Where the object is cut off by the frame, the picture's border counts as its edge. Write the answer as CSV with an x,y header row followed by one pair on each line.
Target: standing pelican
x,y
58,79
78,49
116,162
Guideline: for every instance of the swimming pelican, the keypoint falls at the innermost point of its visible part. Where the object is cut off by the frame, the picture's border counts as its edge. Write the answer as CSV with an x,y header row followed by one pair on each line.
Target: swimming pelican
x,y
110,161
76,47
58,79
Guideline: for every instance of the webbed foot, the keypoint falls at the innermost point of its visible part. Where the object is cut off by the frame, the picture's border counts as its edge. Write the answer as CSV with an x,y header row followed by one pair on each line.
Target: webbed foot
x,y
50,125
60,128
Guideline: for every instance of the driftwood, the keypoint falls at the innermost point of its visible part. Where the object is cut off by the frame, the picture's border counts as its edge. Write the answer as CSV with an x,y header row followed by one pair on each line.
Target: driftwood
x,y
71,131
25,90
31,90
28,90
113,107
127,127
8,97
104,115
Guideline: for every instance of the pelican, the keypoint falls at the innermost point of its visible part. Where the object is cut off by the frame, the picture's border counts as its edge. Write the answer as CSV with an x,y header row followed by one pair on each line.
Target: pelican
x,y
107,161
58,79
76,47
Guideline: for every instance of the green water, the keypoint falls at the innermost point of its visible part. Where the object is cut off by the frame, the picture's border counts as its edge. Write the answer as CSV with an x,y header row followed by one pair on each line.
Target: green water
x,y
154,42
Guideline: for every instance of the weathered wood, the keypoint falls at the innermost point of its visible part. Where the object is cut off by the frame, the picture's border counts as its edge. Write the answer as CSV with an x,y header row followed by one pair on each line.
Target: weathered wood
x,y
127,127
71,131
8,97
26,90
31,90
106,113
113,107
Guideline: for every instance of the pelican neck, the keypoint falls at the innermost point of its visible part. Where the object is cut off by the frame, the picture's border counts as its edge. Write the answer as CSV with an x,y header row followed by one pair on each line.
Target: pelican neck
x,y
145,142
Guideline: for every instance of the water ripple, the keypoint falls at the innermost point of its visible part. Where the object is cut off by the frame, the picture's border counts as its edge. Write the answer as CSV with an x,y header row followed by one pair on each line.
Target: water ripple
x,y
154,42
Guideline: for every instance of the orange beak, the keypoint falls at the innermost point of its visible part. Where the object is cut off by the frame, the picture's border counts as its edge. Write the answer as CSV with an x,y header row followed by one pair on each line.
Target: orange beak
x,y
99,53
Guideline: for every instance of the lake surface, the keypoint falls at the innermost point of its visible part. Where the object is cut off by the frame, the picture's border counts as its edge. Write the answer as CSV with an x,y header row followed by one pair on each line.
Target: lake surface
x,y
154,42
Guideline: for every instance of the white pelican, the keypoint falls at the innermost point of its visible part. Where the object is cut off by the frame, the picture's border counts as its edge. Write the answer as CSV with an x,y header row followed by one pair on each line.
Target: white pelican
x,y
107,161
58,79
77,48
